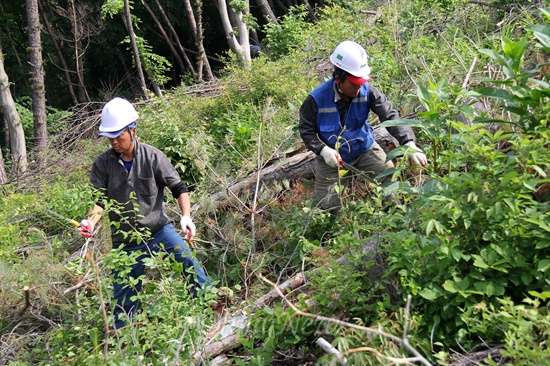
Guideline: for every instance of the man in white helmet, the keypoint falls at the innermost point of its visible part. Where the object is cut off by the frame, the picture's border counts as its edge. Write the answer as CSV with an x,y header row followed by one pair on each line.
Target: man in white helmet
x,y
334,125
134,175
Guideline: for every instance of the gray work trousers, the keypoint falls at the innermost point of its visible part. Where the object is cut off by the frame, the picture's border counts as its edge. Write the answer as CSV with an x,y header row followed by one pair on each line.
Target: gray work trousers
x,y
372,163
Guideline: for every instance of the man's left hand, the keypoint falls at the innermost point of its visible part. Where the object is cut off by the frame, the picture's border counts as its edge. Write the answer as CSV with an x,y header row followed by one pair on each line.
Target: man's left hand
x,y
187,227
416,155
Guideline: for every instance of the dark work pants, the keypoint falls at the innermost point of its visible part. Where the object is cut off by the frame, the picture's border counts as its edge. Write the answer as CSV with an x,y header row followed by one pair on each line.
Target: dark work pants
x,y
372,163
172,243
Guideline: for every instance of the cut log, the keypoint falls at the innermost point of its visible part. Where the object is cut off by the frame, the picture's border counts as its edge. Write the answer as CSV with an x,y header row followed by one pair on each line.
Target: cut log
x,y
476,358
293,166
224,337
220,360
272,295
298,164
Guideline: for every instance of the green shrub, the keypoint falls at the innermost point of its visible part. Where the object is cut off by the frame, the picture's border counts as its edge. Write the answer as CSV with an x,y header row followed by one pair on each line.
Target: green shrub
x,y
289,34
524,326
479,235
177,128
470,244
279,328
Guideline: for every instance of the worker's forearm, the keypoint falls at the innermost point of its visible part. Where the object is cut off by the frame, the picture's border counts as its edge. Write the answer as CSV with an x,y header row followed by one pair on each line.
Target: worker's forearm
x,y
184,202
94,214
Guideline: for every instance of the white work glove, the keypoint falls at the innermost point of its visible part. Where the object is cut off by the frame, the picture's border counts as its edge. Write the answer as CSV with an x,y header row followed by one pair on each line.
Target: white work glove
x,y
416,155
86,228
331,157
187,227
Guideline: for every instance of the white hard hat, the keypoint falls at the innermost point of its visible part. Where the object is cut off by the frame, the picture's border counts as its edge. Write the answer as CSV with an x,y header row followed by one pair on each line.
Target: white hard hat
x,y
116,115
352,58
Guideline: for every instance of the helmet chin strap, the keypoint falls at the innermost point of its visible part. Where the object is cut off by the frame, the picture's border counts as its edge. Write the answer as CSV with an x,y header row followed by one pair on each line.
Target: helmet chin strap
x,y
338,81
131,135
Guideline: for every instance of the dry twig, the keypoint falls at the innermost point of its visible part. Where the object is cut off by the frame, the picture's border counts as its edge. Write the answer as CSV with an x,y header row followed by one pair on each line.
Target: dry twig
x,y
380,332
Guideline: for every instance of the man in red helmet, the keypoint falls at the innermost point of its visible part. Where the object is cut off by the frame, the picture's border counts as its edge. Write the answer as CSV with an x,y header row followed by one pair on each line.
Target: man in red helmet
x,y
334,125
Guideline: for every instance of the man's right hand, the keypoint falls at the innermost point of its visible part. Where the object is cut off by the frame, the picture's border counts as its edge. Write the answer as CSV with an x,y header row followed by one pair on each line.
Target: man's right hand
x,y
331,157
86,228
415,154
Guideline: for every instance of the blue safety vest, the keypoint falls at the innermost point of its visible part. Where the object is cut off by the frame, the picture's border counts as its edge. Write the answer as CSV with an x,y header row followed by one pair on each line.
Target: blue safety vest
x,y
356,137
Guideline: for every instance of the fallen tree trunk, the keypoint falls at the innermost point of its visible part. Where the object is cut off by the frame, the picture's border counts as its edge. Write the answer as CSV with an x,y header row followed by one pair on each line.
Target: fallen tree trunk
x,y
475,358
223,336
298,164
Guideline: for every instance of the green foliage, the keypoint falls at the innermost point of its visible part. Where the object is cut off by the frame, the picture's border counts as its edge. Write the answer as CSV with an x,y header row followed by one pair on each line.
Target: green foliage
x,y
198,133
238,130
13,207
470,244
446,5
28,221
238,6
479,234
110,8
279,328
521,93
167,329
54,119
177,127
524,326
156,66
291,33
284,82
445,106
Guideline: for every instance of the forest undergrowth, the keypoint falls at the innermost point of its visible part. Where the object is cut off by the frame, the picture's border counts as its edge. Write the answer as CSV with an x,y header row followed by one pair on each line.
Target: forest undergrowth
x,y
455,271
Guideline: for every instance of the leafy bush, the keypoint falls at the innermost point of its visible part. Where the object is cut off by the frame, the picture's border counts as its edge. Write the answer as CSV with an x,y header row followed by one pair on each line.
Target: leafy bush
x,y
478,235
177,127
524,325
290,34
470,243
278,328
166,329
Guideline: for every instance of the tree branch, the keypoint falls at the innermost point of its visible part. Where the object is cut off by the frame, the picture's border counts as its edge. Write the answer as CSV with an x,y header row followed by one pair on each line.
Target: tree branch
x,y
344,324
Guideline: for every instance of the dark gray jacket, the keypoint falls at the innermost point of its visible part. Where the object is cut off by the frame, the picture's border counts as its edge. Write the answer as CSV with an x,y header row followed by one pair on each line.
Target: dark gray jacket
x,y
139,193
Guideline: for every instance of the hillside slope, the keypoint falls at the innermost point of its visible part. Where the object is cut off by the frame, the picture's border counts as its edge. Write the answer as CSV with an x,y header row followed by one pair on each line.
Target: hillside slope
x,y
453,273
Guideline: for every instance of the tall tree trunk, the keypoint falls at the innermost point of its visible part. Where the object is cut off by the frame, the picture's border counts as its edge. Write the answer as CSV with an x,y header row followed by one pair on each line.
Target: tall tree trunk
x,y
200,43
3,176
193,27
18,149
37,84
175,53
266,11
59,54
282,6
175,37
137,59
240,46
310,12
4,133
195,23
83,96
